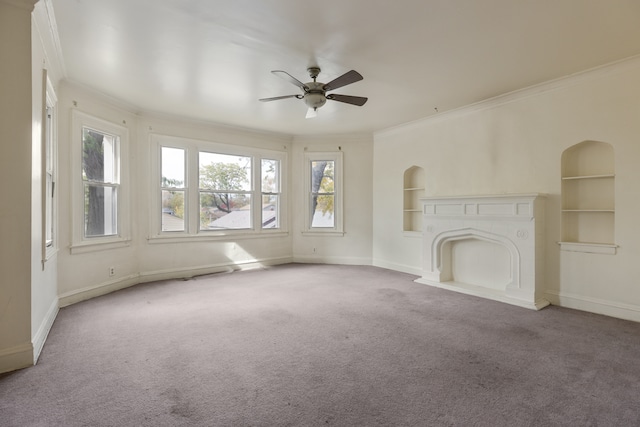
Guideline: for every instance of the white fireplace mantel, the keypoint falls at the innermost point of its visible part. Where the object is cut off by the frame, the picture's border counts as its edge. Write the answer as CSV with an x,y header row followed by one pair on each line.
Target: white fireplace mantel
x,y
488,246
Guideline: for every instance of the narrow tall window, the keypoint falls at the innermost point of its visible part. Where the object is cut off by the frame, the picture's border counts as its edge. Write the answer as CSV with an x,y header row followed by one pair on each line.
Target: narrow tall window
x,y
322,194
270,193
173,188
50,182
49,169
100,174
225,191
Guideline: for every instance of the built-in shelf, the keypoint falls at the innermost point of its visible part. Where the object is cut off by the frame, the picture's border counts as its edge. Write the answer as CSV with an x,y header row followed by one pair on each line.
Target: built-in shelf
x,y
589,177
413,191
588,210
589,247
588,198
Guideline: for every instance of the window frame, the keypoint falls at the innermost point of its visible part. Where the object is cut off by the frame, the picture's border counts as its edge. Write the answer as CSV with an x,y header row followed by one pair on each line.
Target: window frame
x,y
243,192
193,149
338,225
183,189
122,237
277,193
49,169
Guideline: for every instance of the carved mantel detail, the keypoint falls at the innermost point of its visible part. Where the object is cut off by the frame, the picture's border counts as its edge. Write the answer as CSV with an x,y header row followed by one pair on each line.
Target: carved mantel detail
x,y
511,224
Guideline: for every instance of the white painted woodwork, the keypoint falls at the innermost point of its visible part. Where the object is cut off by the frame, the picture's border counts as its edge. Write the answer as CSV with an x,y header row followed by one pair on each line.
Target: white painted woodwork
x,y
588,197
488,246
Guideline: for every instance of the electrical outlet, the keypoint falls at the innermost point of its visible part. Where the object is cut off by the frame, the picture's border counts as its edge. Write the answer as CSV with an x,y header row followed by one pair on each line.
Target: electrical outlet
x,y
112,271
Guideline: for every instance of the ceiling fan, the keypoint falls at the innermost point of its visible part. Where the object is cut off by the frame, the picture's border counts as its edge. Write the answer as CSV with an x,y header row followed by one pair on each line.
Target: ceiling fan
x,y
315,93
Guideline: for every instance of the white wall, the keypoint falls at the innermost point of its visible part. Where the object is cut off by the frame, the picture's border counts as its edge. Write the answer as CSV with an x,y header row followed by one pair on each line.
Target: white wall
x,y
354,247
16,350
44,292
513,144
85,275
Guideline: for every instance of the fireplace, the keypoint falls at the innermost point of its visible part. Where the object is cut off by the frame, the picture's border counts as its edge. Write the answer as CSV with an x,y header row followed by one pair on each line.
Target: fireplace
x,y
488,246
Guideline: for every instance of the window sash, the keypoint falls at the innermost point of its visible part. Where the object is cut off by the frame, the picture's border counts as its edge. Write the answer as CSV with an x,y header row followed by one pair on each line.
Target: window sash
x,y
324,217
226,217
248,188
115,182
108,172
101,216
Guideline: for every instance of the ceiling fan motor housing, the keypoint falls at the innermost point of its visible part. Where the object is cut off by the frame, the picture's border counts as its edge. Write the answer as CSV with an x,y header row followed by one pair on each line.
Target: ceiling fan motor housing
x,y
314,97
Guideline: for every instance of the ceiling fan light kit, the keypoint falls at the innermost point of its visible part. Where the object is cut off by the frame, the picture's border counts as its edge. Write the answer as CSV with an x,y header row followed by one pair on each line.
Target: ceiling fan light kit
x,y
315,93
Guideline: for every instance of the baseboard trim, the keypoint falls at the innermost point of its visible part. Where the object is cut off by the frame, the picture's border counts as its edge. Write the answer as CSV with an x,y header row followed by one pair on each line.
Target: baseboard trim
x,y
104,288
188,272
416,271
17,357
319,259
595,305
43,331
100,289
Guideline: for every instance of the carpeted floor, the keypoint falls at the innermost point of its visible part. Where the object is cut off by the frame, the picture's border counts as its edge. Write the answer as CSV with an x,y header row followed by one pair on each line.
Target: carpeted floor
x,y
318,345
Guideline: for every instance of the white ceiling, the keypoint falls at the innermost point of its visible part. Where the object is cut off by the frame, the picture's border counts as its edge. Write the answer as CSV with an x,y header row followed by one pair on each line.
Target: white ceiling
x,y
211,59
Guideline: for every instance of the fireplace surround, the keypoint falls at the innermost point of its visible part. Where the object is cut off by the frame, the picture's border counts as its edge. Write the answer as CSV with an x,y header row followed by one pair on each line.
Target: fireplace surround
x,y
487,246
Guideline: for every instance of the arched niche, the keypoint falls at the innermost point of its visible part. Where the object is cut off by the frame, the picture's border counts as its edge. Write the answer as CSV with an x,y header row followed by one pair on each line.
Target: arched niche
x,y
413,191
588,195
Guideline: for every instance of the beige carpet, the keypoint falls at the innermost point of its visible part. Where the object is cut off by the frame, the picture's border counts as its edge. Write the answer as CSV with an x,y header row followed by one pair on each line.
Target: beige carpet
x,y
318,345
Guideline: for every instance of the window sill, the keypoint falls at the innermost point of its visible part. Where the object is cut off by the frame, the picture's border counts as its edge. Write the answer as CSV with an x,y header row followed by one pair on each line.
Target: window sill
x,y
102,245
50,253
332,233
593,248
190,238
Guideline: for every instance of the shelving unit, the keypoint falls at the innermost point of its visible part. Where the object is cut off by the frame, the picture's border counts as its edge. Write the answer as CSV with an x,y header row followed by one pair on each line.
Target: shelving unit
x,y
588,196
413,191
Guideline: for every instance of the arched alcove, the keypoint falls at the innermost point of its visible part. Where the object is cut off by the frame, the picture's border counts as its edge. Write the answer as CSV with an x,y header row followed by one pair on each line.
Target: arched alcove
x,y
588,193
413,190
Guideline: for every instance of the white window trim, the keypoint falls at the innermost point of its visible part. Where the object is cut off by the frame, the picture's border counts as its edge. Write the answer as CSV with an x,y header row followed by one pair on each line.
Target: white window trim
x,y
192,230
337,229
80,243
49,142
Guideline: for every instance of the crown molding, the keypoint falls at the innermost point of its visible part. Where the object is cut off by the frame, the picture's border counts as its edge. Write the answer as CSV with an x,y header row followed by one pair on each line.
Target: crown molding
x,y
518,95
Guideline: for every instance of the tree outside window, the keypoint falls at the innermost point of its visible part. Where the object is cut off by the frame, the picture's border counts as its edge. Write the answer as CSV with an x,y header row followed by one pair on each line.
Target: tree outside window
x,y
225,191
270,175
322,194
323,183
101,181
173,188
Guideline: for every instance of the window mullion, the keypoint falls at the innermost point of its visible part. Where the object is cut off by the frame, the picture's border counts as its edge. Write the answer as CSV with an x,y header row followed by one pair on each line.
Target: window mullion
x,y
192,193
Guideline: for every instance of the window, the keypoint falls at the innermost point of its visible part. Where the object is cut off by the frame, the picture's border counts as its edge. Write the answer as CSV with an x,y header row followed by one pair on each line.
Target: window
x,y
237,190
270,193
173,187
49,167
324,196
225,191
100,175
100,205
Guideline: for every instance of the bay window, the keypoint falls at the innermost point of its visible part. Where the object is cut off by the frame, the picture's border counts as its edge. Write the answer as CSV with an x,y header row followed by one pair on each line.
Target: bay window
x,y
210,189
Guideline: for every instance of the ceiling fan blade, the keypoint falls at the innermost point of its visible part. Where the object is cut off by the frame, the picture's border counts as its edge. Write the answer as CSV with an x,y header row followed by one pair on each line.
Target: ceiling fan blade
x,y
311,113
288,77
345,79
275,98
355,100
